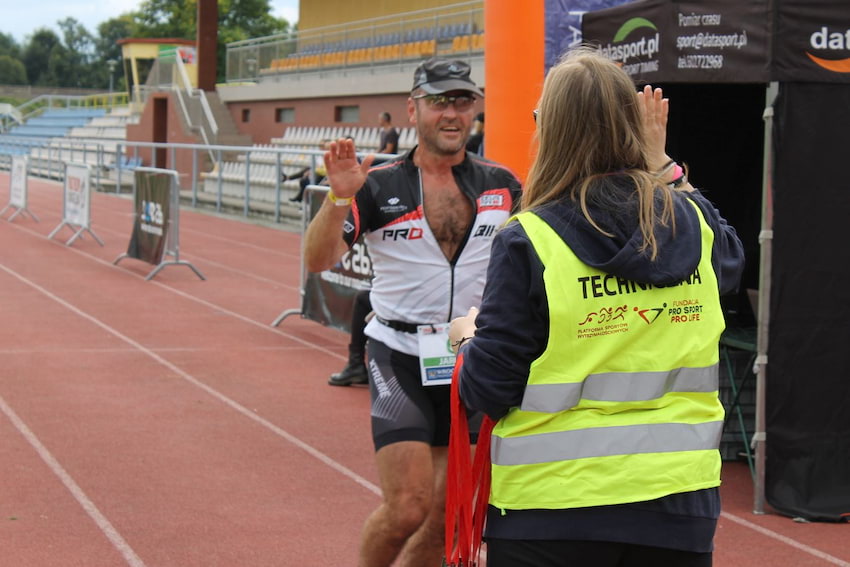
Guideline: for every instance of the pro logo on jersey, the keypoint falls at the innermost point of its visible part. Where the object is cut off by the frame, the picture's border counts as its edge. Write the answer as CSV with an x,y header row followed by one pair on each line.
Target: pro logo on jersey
x,y
402,234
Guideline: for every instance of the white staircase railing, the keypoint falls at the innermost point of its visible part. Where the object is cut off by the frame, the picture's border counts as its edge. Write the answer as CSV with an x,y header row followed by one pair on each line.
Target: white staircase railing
x,y
194,105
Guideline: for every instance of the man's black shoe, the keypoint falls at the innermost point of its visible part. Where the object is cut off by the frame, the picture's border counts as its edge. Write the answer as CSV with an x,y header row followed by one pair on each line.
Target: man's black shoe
x,y
353,373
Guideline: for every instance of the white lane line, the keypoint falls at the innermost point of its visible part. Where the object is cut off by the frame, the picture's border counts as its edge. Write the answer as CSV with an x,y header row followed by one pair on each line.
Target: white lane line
x,y
107,230
372,487
87,350
189,210
218,308
225,267
345,471
243,244
784,539
204,260
85,502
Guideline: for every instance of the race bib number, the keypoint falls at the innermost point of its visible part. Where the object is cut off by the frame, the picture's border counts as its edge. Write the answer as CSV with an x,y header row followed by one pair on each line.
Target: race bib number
x,y
436,359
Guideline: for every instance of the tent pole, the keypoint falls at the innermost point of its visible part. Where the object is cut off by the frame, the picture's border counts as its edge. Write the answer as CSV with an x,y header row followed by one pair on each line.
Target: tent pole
x,y
763,316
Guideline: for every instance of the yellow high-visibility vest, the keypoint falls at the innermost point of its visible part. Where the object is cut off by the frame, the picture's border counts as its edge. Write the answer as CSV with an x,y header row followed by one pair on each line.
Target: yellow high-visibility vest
x,y
622,406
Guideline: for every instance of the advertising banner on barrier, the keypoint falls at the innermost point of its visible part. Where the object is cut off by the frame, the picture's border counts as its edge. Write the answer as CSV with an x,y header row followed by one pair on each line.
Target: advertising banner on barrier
x,y
328,297
152,211
77,196
76,203
18,182
18,188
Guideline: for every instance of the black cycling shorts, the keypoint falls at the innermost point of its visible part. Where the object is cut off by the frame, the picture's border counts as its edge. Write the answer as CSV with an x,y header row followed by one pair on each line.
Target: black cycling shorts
x,y
402,408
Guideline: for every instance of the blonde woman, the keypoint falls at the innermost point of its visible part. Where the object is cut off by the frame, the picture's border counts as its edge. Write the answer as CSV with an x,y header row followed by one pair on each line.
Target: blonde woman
x,y
596,345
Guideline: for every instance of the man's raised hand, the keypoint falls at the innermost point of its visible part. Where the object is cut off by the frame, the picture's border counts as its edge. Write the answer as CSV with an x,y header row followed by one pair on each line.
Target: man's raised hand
x,y
345,174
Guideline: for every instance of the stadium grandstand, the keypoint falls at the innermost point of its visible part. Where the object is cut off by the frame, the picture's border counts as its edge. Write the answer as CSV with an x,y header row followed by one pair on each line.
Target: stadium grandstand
x,y
244,144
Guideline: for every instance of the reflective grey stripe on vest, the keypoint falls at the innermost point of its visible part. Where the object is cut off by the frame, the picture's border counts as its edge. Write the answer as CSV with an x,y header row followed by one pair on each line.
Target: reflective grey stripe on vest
x,y
619,387
605,441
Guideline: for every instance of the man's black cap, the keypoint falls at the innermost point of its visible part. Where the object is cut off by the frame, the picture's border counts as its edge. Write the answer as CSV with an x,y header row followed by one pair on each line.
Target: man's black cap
x,y
438,76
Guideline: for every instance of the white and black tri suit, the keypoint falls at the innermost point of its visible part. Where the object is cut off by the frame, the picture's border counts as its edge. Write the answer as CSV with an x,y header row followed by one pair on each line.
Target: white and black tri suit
x,y
413,282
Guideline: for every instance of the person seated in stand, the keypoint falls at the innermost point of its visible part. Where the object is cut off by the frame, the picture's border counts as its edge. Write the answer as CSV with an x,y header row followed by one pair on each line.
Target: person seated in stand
x,y
309,176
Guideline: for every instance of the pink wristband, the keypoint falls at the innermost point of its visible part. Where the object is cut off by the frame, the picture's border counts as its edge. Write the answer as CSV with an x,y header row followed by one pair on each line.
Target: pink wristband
x,y
678,171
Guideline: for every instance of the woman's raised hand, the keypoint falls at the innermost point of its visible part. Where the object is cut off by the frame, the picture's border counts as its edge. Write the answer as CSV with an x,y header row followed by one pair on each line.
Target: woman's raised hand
x,y
654,109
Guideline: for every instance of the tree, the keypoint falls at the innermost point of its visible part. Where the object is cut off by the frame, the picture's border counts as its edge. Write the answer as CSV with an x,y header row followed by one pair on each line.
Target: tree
x,y
80,59
12,71
60,69
8,46
108,34
166,18
244,19
76,69
107,49
237,20
36,55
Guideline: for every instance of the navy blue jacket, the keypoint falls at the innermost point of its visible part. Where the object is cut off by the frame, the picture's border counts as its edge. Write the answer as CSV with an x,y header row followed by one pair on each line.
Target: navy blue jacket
x,y
512,332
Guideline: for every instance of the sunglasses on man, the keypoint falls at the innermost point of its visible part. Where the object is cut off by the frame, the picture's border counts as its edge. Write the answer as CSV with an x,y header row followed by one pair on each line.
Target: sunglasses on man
x,y
442,102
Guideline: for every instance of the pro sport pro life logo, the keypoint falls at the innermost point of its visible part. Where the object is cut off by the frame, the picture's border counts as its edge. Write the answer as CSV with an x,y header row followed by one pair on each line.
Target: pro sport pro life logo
x,y
828,42
639,53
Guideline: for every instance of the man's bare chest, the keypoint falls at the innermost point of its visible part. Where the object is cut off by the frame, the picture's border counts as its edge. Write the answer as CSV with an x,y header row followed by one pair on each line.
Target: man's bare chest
x,y
449,214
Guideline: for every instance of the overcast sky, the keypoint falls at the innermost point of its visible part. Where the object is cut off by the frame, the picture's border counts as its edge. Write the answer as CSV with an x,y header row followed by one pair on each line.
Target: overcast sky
x,y
20,19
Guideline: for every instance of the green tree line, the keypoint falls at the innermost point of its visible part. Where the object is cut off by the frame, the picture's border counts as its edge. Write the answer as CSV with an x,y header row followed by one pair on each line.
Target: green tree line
x,y
76,57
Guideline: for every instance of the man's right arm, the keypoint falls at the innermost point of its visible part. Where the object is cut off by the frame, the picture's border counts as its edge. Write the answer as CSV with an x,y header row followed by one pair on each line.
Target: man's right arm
x,y
323,242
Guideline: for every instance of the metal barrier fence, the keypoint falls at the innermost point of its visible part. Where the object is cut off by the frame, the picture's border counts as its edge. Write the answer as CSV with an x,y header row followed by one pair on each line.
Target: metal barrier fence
x,y
247,180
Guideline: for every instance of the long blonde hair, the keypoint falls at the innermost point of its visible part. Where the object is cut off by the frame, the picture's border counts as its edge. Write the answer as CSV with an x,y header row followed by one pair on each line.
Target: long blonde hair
x,y
589,126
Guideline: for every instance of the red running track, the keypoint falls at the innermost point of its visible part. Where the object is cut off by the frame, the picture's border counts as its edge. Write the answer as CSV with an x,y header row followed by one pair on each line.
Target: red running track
x,y
166,423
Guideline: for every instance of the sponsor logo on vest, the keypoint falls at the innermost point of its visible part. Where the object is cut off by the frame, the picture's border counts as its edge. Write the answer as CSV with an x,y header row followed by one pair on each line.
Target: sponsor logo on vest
x,y
656,312
606,321
600,286
685,311
402,234
605,315
681,311
826,39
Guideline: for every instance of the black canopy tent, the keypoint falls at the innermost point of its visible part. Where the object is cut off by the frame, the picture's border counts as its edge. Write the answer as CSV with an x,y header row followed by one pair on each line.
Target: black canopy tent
x,y
726,65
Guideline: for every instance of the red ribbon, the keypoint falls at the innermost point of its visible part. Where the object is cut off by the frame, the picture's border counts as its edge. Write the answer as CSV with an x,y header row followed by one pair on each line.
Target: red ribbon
x,y
467,484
